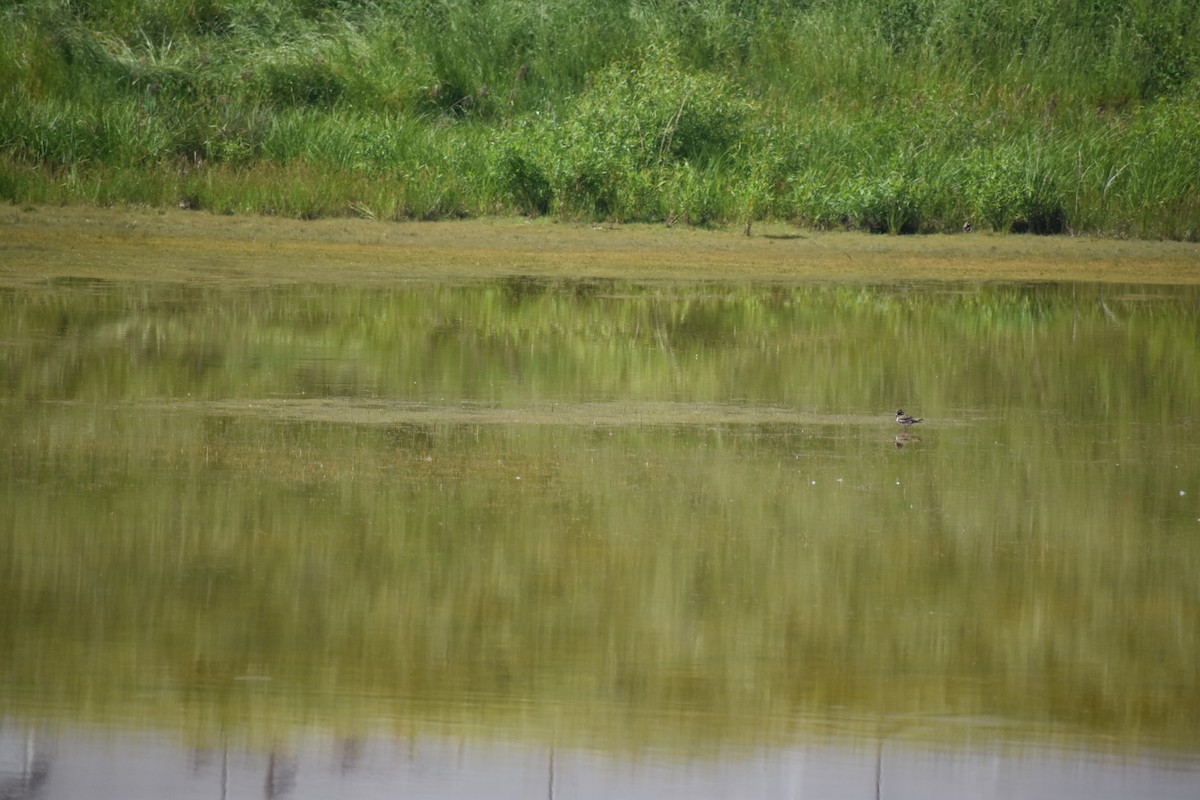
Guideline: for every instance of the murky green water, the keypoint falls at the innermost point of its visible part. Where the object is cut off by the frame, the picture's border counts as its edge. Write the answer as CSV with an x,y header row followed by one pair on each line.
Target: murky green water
x,y
603,518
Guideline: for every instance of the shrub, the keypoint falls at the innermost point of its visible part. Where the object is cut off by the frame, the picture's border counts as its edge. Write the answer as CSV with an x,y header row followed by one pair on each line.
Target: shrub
x,y
653,116
1011,191
692,196
886,203
516,171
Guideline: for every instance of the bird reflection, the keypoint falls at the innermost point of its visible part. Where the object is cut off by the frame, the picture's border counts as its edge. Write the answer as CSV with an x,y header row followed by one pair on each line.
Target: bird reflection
x,y
906,439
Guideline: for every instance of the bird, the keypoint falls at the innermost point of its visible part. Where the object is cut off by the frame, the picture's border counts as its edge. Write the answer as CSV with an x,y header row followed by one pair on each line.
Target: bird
x,y
906,419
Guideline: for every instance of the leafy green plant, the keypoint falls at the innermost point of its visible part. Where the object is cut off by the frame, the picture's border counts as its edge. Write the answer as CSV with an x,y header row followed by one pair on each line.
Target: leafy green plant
x,y
516,168
1009,191
654,115
887,203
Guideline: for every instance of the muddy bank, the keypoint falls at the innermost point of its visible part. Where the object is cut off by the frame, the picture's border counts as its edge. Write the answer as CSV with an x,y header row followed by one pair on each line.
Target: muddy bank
x,y
182,246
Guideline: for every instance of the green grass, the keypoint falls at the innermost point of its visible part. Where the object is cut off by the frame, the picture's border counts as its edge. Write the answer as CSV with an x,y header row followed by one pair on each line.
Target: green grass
x,y
885,115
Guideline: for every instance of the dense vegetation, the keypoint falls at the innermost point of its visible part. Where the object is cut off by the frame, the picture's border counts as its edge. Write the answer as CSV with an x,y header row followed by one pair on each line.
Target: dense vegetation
x,y
896,115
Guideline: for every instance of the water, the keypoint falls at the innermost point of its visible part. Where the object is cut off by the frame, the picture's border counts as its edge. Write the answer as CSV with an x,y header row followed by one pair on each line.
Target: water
x,y
600,538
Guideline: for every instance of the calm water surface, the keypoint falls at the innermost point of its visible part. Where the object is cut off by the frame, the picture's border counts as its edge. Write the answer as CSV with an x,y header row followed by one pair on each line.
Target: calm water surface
x,y
595,539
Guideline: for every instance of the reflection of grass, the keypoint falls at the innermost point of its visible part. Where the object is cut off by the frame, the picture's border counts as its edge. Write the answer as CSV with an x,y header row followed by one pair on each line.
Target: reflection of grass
x,y
628,572
849,350
1034,565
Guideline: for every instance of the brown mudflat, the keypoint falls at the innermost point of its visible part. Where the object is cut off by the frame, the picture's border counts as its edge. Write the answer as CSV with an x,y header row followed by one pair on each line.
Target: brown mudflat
x,y
195,247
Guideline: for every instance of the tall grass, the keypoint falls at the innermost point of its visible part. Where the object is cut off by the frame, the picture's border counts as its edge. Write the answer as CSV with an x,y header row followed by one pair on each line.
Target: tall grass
x,y
886,115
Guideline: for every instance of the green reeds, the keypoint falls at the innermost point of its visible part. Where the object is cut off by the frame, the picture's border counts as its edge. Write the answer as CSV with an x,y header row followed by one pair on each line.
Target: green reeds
x,y
885,115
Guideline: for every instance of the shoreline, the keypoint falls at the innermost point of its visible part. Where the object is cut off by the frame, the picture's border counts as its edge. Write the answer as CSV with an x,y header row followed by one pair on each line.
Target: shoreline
x,y
39,243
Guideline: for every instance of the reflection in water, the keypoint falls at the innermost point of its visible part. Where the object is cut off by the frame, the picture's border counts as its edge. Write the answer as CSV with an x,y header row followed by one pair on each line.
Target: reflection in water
x,y
126,767
24,765
281,776
659,524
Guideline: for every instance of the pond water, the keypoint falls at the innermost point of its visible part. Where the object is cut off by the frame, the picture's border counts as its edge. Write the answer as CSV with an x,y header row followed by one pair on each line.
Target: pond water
x,y
599,538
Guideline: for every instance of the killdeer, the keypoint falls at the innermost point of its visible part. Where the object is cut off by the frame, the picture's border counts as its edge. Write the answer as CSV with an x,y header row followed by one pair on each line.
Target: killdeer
x,y
906,419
